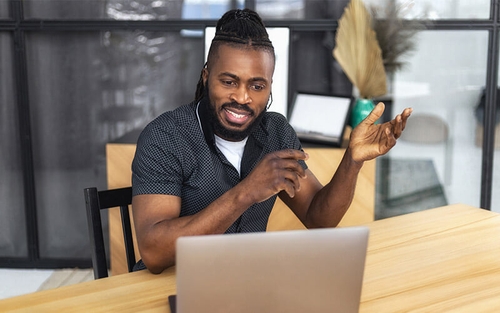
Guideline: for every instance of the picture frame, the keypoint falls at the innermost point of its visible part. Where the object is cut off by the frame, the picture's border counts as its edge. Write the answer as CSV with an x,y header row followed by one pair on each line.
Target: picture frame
x,y
320,118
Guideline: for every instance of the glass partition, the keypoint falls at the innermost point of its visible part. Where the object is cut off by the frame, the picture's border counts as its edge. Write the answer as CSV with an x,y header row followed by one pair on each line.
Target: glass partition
x,y
101,87
135,10
437,160
439,10
495,194
282,9
421,9
65,9
213,9
4,9
12,206
495,200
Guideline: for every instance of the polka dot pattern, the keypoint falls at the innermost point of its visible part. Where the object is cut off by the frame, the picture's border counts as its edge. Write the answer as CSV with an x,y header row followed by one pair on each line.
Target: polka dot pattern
x,y
175,157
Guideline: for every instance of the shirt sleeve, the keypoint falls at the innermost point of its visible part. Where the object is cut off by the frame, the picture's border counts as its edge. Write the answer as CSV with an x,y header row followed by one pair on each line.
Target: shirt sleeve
x,y
156,168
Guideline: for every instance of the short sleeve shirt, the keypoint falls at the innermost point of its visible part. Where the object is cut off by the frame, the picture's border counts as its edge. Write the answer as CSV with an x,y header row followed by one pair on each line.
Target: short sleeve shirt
x,y
176,156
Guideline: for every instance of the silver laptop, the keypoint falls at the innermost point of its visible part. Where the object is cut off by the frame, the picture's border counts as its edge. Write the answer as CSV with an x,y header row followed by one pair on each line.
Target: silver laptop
x,y
318,270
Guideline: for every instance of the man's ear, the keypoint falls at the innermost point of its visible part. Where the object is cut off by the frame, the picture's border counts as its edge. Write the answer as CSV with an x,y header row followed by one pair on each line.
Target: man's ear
x,y
204,75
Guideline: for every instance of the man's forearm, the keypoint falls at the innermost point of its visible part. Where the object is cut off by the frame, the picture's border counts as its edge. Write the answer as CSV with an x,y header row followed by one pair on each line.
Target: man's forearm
x,y
331,203
157,240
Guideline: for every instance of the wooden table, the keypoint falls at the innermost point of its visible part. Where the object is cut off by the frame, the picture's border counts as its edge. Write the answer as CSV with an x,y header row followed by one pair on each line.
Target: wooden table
x,y
440,260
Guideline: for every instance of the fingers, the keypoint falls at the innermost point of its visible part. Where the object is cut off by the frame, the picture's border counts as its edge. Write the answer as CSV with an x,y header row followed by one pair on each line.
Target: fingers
x,y
287,169
375,114
291,183
407,112
291,154
405,115
398,124
391,138
288,160
372,140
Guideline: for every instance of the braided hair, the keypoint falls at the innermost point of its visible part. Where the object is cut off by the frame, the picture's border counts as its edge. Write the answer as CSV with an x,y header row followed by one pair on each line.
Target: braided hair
x,y
237,28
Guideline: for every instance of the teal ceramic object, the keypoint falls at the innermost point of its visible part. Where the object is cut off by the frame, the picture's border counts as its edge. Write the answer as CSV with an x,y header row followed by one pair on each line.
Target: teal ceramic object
x,y
361,109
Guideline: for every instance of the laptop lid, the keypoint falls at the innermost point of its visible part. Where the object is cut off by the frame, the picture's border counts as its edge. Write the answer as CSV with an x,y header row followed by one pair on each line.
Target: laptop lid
x,y
321,118
319,270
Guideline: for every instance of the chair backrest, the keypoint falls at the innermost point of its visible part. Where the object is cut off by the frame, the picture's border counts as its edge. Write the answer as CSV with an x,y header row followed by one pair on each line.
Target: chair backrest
x,y
95,201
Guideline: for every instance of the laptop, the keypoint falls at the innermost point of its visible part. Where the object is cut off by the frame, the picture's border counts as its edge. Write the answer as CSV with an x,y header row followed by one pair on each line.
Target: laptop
x,y
318,270
321,118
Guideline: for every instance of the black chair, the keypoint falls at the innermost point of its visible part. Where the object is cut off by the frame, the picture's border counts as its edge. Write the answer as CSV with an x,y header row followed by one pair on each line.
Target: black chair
x,y
95,201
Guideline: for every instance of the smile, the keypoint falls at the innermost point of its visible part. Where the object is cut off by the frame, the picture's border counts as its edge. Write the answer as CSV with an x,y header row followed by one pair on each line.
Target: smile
x,y
236,118
235,114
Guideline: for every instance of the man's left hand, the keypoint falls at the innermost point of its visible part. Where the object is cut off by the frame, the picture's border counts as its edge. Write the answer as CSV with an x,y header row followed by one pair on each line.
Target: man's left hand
x,y
369,140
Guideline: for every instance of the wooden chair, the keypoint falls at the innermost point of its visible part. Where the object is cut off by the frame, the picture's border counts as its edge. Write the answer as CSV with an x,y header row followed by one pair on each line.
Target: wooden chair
x,y
95,201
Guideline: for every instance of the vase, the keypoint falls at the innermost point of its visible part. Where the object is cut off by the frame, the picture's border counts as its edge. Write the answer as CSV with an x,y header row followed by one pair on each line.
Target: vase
x,y
361,109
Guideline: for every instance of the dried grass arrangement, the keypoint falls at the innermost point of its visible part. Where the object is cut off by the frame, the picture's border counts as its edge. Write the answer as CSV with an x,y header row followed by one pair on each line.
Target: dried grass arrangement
x,y
358,52
394,33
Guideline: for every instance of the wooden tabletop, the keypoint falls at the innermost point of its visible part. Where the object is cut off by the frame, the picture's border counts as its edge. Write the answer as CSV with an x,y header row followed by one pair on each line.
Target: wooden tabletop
x,y
440,260
132,292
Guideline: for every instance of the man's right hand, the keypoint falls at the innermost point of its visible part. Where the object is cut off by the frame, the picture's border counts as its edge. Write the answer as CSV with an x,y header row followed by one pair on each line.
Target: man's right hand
x,y
157,217
277,171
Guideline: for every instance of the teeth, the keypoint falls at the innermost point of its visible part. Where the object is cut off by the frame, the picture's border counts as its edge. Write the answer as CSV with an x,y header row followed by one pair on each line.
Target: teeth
x,y
236,115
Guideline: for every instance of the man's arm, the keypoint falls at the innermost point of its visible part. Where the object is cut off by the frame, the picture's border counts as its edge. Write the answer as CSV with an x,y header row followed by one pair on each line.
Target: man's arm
x,y
157,221
158,225
318,206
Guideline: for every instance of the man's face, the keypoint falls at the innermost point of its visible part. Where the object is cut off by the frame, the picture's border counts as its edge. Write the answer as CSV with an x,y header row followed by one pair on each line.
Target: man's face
x,y
238,84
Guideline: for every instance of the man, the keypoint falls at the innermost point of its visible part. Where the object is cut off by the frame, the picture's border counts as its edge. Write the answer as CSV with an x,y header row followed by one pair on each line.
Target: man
x,y
217,165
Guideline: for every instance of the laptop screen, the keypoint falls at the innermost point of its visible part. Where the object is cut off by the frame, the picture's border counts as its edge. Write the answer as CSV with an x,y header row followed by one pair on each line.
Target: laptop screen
x,y
320,118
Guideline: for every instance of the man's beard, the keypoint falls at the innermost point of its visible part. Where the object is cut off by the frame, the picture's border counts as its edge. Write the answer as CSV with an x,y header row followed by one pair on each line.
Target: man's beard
x,y
219,129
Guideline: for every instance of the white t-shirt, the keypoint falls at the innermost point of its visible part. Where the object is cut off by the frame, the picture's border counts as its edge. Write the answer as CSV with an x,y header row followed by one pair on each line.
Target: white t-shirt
x,y
232,150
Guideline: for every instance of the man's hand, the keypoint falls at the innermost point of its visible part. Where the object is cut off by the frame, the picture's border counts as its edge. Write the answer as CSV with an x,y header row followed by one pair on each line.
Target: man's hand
x,y
277,171
369,140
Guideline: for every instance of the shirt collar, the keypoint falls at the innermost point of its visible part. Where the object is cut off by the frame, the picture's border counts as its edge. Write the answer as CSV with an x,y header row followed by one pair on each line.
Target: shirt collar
x,y
203,113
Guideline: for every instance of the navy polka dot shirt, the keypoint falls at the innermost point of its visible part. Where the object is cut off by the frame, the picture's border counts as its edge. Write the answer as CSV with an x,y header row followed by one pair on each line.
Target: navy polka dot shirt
x,y
175,157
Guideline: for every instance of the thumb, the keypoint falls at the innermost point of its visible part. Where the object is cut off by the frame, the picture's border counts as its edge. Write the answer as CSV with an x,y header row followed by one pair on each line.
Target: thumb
x,y
375,114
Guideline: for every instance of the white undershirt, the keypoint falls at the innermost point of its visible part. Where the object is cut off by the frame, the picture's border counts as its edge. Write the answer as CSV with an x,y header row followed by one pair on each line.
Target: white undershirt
x,y
232,150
